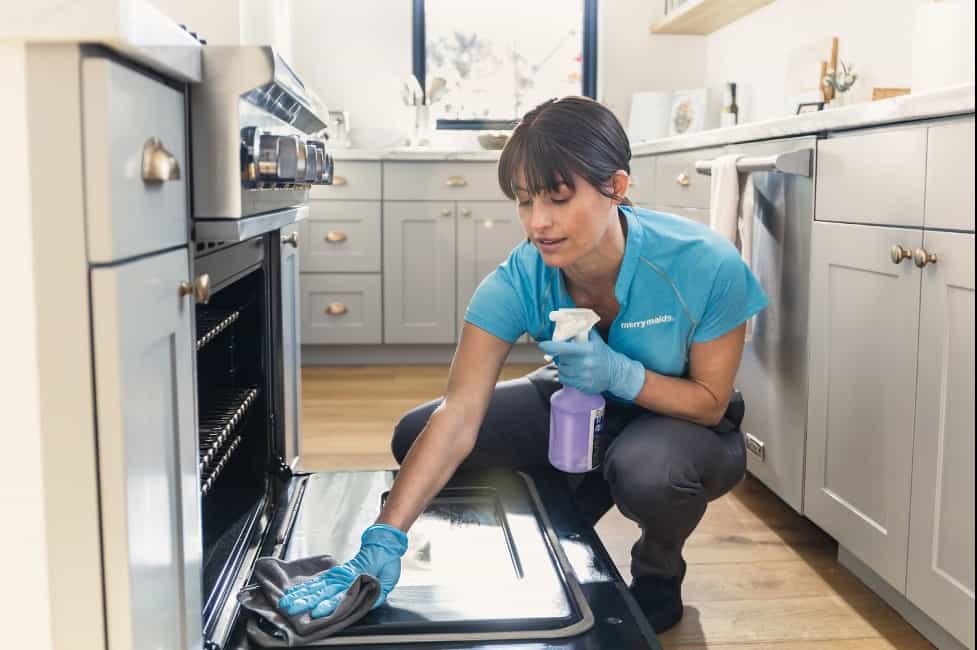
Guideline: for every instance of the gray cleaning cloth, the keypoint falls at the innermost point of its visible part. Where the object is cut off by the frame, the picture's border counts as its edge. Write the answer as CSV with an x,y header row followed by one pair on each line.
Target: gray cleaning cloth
x,y
272,628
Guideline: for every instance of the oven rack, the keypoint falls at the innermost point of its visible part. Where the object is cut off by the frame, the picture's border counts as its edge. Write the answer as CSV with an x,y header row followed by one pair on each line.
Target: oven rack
x,y
221,431
211,322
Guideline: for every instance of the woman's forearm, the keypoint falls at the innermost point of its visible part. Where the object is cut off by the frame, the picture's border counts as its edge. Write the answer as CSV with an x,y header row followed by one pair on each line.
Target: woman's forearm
x,y
681,398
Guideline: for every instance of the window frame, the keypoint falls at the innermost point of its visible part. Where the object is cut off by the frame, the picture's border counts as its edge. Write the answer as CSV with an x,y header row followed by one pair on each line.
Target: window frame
x,y
588,65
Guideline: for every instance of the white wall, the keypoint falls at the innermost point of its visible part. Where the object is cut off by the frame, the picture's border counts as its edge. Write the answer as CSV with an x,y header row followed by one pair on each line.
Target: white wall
x,y
25,596
763,51
235,22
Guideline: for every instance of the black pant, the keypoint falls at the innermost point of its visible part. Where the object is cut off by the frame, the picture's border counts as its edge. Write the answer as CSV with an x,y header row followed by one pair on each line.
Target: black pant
x,y
659,471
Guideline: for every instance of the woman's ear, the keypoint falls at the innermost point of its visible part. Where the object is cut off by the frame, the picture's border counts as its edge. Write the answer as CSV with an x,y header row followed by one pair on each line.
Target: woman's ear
x,y
620,183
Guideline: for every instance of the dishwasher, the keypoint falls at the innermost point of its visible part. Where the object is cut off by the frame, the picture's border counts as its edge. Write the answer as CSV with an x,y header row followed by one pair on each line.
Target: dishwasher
x,y
773,373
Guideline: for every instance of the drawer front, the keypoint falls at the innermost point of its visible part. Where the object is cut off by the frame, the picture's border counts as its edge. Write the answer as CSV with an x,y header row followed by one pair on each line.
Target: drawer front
x,y
353,179
642,190
341,308
131,211
677,184
342,236
441,181
699,215
872,178
950,176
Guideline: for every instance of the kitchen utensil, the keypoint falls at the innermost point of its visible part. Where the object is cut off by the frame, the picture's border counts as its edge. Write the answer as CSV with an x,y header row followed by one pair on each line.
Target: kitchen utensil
x,y
417,93
436,89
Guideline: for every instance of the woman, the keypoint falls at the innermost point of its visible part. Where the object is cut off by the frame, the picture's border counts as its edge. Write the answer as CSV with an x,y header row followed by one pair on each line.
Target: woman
x,y
673,299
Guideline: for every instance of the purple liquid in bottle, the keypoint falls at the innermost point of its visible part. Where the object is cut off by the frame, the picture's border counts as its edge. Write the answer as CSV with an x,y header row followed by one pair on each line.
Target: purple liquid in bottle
x,y
576,431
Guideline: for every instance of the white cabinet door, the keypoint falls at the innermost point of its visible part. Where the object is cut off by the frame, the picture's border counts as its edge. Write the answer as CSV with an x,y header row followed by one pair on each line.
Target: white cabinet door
x,y
487,233
864,323
941,542
147,446
291,343
419,272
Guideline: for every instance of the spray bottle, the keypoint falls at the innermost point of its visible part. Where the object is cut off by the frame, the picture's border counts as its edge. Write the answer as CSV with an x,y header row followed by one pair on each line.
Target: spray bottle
x,y
576,418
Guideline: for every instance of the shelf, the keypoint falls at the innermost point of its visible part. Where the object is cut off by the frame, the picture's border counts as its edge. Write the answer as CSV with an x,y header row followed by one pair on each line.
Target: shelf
x,y
220,433
705,16
211,322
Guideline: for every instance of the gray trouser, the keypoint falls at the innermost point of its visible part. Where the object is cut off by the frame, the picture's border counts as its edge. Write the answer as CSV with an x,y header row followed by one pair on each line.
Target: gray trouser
x,y
659,471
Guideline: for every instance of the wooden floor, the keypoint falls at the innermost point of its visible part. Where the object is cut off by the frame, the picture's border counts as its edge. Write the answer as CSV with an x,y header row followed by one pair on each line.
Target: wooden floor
x,y
760,576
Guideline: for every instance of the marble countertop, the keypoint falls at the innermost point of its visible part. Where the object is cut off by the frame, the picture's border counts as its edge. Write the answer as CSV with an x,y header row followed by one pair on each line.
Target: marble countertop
x,y
134,28
957,100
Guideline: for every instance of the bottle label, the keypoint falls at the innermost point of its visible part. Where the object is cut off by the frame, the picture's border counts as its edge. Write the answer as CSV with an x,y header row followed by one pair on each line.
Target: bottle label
x,y
597,438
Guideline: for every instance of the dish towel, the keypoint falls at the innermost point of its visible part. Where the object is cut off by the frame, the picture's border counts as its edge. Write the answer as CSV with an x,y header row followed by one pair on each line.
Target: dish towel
x,y
270,627
731,209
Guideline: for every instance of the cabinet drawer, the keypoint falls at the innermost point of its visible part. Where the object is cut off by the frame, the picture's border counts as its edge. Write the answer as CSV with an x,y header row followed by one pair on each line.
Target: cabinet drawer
x,y
441,181
678,184
872,178
130,212
950,176
642,189
342,236
341,308
351,180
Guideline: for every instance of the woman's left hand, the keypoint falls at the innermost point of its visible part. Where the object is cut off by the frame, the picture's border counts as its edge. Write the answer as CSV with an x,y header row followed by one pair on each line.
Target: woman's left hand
x,y
593,367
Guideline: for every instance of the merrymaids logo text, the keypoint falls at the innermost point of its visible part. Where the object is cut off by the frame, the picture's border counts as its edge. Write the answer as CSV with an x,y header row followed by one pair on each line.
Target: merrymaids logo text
x,y
657,320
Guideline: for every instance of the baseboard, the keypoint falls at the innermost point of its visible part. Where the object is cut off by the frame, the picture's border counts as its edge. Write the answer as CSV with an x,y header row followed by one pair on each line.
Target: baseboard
x,y
926,626
408,355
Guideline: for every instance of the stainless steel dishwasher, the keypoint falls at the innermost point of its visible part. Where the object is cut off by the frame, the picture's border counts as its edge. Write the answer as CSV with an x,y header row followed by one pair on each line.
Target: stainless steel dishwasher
x,y
773,374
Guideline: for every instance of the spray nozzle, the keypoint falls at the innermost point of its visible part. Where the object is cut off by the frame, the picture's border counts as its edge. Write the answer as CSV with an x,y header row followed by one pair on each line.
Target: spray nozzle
x,y
573,323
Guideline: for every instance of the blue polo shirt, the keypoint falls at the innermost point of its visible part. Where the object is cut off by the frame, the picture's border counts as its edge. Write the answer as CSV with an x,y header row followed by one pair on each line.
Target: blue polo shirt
x,y
680,283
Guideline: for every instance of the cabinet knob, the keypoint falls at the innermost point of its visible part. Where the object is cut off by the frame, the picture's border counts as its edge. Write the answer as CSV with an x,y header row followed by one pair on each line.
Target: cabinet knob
x,y
292,239
340,180
922,257
683,179
336,309
456,181
466,212
897,254
445,212
335,236
199,288
633,181
158,164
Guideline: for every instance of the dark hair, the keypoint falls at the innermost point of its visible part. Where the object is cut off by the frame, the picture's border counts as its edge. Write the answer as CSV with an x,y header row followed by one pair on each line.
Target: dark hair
x,y
562,137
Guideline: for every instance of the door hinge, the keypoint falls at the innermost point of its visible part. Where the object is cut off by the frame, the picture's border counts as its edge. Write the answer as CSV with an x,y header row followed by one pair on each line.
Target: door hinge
x,y
755,446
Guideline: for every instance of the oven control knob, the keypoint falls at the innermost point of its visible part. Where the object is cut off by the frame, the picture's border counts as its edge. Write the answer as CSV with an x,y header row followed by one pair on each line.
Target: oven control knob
x,y
277,157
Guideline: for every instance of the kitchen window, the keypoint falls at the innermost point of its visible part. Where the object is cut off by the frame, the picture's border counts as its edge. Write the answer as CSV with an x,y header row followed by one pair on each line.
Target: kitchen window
x,y
500,59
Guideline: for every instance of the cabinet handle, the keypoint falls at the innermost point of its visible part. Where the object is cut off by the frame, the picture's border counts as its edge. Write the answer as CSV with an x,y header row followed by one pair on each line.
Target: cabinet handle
x,y
158,164
922,257
466,212
199,288
455,181
336,309
897,254
335,236
445,212
683,179
633,181
340,180
292,239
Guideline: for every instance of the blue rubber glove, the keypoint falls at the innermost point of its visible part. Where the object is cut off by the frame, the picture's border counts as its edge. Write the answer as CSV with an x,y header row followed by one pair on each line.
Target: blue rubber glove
x,y
593,367
381,547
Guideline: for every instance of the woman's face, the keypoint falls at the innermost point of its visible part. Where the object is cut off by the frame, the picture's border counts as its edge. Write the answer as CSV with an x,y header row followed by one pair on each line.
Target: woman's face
x,y
567,224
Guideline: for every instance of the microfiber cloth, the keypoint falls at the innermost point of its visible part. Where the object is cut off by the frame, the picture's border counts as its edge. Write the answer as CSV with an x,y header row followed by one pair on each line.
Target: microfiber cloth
x,y
270,627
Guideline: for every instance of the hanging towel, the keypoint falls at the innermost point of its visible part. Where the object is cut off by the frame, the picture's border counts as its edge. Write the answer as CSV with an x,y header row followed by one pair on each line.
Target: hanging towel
x,y
731,209
269,627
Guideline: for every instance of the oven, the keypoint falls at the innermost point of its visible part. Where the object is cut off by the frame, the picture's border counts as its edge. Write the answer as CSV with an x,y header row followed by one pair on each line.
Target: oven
x,y
544,580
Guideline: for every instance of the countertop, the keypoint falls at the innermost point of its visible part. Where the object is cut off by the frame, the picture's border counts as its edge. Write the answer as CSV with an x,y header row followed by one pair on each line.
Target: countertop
x,y
134,28
957,100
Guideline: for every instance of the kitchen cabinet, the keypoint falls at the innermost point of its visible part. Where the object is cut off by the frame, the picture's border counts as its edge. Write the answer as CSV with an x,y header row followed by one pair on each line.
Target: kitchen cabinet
x,y
419,271
864,323
342,237
950,175
147,453
941,536
291,327
342,308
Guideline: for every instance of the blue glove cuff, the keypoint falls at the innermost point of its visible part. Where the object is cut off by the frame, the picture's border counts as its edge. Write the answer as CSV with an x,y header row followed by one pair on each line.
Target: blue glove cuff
x,y
630,380
390,538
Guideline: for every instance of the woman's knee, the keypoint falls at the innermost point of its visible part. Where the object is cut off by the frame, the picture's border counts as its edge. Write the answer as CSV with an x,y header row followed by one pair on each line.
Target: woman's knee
x,y
409,427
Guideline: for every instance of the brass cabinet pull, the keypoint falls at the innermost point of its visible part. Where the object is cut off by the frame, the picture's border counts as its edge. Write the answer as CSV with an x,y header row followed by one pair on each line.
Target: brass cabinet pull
x,y
340,180
199,288
922,257
336,309
897,254
466,212
335,236
445,212
683,179
292,239
456,181
158,164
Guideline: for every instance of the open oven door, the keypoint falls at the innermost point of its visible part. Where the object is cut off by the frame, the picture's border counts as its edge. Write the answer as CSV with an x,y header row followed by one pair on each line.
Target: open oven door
x,y
498,559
